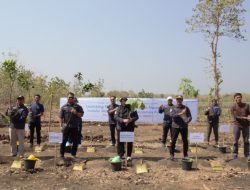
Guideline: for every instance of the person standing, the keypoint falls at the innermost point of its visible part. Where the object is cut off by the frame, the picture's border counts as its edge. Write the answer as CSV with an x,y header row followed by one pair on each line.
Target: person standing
x,y
213,113
240,112
167,120
69,119
18,115
36,112
112,122
125,122
79,123
181,117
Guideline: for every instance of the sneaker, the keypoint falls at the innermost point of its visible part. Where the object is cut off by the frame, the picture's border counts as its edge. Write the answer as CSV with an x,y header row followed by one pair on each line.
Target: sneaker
x,y
171,157
31,145
129,158
13,155
163,145
186,157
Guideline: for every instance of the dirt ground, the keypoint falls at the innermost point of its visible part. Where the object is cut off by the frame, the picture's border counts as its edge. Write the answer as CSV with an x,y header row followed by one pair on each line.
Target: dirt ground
x,y
162,174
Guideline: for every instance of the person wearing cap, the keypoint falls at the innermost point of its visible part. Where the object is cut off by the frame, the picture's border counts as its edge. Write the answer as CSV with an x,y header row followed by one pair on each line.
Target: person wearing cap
x,y
18,115
241,115
167,120
69,120
112,122
181,117
213,113
36,111
125,122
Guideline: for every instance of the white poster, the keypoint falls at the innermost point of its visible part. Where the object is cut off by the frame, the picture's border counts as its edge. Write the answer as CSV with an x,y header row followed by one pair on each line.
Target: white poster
x,y
127,136
95,109
224,128
196,138
55,137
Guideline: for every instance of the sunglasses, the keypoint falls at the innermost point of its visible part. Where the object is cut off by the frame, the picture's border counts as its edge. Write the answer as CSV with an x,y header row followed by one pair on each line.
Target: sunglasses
x,y
70,97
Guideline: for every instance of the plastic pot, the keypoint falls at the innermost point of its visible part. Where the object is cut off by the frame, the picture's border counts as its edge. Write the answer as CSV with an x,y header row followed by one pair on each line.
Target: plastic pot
x,y
116,166
29,164
223,149
187,164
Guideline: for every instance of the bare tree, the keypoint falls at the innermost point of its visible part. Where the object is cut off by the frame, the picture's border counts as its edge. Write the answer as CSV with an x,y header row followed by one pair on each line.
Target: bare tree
x,y
216,19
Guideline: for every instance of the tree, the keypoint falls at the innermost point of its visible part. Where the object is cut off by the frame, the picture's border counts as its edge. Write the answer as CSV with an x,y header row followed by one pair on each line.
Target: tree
x,y
24,79
143,94
187,90
10,70
216,19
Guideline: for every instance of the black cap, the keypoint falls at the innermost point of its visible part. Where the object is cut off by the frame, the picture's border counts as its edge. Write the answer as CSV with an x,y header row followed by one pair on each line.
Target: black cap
x,y
20,97
123,98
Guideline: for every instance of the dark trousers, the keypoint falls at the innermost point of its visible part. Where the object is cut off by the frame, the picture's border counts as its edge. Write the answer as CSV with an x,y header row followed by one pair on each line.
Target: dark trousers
x,y
245,133
112,128
69,132
79,134
214,127
121,146
184,135
37,126
166,128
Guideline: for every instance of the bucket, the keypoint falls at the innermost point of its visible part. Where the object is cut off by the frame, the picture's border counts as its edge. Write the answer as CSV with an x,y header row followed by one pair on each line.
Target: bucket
x,y
187,164
223,149
29,164
116,166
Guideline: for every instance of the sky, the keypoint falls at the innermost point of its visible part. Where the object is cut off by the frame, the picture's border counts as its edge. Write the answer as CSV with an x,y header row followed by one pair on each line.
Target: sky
x,y
130,44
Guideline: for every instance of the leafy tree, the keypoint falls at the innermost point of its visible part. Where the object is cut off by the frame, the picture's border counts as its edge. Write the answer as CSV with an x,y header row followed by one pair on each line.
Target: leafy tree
x,y
96,89
216,19
24,80
57,88
187,90
143,94
10,71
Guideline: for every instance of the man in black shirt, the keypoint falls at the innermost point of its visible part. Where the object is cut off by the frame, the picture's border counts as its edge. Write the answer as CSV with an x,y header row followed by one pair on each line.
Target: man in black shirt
x,y
69,122
167,120
125,122
213,113
112,122
18,115
181,117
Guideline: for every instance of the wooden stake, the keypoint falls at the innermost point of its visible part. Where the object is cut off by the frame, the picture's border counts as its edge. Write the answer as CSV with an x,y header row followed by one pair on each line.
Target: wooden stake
x,y
196,156
50,112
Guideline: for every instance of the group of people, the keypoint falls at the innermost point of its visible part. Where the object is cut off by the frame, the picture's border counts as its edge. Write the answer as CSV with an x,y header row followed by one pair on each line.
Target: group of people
x,y
177,117
122,118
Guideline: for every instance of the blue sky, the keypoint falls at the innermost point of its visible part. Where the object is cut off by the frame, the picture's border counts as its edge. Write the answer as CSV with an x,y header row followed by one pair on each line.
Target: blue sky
x,y
132,44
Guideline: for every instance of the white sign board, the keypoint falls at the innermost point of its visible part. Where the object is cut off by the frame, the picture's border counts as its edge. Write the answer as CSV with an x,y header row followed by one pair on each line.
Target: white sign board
x,y
55,137
127,136
26,127
196,137
95,109
224,129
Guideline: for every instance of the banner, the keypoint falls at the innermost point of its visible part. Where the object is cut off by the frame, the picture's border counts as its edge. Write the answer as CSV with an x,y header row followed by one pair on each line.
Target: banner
x,y
95,109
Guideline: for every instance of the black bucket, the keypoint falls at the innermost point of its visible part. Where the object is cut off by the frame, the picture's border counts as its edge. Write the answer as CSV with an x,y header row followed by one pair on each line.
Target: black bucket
x,y
29,164
187,164
223,149
116,166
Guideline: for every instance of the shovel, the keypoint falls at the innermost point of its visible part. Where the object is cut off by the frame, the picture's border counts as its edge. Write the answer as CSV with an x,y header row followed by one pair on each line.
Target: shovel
x,y
141,168
138,150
